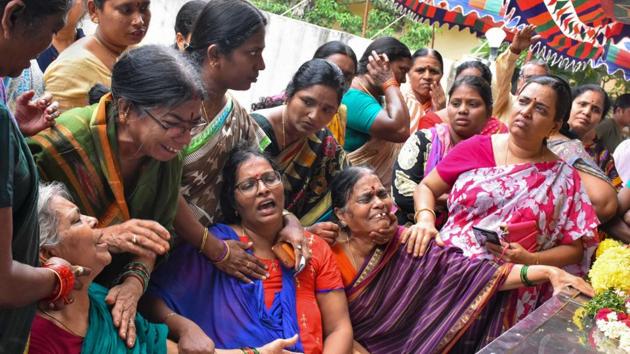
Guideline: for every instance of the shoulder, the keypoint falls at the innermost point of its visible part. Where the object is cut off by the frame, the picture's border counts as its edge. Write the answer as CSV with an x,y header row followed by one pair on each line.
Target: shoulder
x,y
319,248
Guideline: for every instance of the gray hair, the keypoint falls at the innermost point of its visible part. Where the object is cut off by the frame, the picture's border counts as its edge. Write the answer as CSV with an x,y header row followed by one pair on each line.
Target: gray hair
x,y
155,76
47,217
536,62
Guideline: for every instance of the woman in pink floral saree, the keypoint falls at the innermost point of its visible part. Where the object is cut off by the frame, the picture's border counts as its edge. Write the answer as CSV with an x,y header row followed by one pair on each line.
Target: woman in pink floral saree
x,y
513,182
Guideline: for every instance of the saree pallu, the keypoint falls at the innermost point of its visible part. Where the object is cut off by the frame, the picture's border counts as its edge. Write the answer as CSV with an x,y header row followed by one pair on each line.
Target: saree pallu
x,y
308,167
231,313
102,336
81,151
435,303
573,152
421,116
378,154
550,193
207,153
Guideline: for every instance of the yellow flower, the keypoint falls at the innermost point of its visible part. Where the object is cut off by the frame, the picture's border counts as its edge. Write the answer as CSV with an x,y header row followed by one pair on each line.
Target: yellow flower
x,y
605,245
611,270
578,316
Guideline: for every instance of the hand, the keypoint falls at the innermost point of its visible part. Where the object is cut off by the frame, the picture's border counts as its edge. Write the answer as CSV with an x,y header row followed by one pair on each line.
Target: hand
x,y
626,217
34,116
326,230
523,39
78,272
560,280
438,98
293,233
144,238
419,236
195,341
384,235
278,345
511,252
124,298
241,264
378,68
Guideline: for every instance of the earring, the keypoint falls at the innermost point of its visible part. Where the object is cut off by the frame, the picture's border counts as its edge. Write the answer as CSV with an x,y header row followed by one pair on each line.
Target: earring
x,y
95,20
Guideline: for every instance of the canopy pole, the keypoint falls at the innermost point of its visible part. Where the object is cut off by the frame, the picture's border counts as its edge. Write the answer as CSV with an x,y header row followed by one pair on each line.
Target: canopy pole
x,y
365,18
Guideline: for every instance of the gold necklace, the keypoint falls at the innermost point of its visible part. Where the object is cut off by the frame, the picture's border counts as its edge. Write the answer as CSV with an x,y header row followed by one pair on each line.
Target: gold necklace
x,y
365,89
60,323
352,259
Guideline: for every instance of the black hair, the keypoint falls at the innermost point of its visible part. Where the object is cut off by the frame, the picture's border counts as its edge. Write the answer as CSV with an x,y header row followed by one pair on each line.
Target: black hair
x,y
394,49
429,52
563,95
226,23
317,72
241,153
36,9
623,101
486,74
580,90
96,92
478,84
343,183
155,76
99,3
187,15
335,47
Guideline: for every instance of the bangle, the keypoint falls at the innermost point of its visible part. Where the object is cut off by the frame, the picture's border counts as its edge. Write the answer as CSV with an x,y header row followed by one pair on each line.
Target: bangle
x,y
537,258
389,83
65,281
225,255
415,216
204,238
524,278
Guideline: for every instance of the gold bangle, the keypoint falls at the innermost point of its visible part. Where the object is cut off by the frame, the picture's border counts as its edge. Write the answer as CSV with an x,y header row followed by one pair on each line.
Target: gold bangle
x,y
204,238
415,216
227,254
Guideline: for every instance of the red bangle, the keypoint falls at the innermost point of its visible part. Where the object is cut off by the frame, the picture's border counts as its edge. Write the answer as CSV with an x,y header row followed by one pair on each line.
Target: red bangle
x,y
391,82
65,281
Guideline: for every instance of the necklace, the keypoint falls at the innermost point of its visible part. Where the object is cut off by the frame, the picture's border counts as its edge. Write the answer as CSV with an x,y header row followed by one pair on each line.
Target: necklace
x,y
60,323
349,248
365,89
507,152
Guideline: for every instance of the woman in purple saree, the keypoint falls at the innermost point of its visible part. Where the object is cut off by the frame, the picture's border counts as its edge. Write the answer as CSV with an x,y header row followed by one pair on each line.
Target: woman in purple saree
x,y
439,302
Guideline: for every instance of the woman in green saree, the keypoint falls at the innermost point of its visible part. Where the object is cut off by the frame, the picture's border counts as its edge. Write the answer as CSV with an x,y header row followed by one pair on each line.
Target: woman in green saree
x,y
120,160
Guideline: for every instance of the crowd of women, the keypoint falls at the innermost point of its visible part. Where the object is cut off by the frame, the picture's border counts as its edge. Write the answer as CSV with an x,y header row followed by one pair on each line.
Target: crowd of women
x,y
146,211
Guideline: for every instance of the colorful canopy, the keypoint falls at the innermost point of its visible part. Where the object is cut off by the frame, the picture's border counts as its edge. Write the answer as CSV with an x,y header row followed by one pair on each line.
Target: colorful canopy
x,y
575,33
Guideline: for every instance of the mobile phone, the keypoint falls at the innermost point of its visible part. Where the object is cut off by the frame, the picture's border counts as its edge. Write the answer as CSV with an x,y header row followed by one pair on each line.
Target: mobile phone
x,y
484,235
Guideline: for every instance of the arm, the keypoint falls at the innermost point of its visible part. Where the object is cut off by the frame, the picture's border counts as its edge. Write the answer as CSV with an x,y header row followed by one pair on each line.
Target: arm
x,y
618,229
20,284
293,233
335,321
239,264
505,65
537,274
392,123
408,172
558,256
602,195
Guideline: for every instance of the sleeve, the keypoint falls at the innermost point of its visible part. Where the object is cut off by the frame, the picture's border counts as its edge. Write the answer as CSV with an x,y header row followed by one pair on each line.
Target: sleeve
x,y
470,154
328,277
7,158
408,172
362,111
505,66
70,81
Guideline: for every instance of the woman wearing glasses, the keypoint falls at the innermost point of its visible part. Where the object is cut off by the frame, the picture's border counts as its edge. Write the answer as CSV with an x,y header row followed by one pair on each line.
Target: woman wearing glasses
x,y
233,314
121,162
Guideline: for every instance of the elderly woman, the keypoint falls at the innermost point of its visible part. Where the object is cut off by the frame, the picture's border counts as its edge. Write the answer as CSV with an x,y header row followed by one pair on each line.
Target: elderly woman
x,y
310,303
423,93
469,108
305,150
375,133
89,61
86,326
440,302
121,161
27,29
513,185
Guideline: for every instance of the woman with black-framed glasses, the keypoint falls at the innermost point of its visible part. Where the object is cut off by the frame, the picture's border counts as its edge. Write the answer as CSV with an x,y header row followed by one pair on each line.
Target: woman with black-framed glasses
x,y
121,162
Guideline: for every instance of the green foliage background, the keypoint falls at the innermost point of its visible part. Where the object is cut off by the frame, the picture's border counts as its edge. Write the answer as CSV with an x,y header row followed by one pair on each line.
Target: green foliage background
x,y
337,15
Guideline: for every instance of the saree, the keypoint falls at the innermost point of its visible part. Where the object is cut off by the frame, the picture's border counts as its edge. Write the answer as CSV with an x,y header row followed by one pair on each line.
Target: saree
x,y
435,303
233,314
207,153
421,116
378,154
549,193
102,335
308,167
573,152
81,151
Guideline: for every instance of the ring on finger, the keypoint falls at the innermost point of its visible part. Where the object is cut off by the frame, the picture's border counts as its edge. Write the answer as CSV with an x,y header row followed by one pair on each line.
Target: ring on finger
x,y
134,239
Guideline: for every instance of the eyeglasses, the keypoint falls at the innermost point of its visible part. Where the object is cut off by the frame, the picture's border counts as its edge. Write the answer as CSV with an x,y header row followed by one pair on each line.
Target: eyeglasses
x,y
249,186
194,127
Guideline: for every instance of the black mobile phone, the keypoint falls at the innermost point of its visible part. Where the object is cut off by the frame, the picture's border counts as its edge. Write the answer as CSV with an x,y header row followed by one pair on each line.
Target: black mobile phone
x,y
484,235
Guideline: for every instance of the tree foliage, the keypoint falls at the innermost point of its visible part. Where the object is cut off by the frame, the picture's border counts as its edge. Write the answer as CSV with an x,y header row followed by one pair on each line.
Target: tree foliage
x,y
336,14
